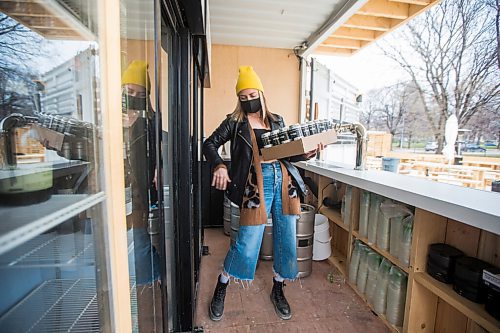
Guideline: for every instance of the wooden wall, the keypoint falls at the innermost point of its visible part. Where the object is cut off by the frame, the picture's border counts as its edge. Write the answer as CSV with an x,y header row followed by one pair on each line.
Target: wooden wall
x,y
278,70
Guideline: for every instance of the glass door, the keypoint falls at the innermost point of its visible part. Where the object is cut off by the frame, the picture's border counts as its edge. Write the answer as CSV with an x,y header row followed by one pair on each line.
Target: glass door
x,y
53,254
142,137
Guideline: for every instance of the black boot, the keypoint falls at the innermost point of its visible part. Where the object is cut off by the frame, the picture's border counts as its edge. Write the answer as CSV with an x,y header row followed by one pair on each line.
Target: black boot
x,y
217,305
280,303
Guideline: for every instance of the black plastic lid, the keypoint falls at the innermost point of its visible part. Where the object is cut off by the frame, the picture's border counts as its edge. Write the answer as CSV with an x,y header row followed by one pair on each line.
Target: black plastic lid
x,y
472,264
445,250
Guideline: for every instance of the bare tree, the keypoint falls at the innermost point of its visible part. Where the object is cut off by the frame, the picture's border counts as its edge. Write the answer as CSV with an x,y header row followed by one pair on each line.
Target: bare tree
x,y
18,46
397,109
369,113
485,124
450,55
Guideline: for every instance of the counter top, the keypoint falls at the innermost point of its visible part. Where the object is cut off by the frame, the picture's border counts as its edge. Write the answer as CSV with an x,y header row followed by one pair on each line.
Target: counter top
x,y
477,208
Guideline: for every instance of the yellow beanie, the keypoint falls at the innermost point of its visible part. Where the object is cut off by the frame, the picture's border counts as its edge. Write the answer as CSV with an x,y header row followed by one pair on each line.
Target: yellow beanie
x,y
248,79
137,73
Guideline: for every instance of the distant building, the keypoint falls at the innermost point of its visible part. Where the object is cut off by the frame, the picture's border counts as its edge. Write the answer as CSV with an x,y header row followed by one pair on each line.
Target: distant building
x,y
69,89
337,99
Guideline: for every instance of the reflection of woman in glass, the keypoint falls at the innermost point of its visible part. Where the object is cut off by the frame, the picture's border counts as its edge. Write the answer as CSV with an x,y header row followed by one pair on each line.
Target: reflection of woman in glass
x,y
258,188
139,147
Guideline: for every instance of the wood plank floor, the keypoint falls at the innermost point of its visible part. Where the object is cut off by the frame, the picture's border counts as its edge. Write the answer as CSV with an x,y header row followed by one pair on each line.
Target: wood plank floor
x,y
317,305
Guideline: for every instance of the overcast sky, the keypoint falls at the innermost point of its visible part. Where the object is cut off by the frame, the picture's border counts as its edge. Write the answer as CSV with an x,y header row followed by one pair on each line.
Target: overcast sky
x,y
367,69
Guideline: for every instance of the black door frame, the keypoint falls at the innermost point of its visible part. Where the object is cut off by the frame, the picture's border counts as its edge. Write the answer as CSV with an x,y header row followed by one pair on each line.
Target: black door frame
x,y
187,61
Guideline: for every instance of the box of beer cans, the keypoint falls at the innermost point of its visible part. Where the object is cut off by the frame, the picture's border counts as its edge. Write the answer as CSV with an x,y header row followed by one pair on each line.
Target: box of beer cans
x,y
297,139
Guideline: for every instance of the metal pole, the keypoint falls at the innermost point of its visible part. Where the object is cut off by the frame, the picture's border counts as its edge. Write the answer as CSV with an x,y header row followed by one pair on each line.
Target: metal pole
x,y
402,133
311,92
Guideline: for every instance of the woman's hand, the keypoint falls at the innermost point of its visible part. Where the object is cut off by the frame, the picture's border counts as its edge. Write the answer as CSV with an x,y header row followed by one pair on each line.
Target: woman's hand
x,y
221,178
313,152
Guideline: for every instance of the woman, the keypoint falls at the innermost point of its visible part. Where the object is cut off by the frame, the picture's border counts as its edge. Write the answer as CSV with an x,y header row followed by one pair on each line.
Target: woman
x,y
258,188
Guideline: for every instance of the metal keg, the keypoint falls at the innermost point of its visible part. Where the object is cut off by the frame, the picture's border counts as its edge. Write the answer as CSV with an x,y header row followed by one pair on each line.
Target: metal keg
x,y
266,248
154,220
305,234
235,222
227,216
495,186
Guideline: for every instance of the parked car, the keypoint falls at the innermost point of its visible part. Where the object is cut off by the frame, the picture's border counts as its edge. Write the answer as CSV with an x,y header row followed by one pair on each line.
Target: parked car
x,y
431,146
472,147
490,143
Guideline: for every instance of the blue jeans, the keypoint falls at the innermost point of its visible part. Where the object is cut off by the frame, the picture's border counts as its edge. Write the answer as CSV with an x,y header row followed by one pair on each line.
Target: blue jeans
x,y
145,262
241,259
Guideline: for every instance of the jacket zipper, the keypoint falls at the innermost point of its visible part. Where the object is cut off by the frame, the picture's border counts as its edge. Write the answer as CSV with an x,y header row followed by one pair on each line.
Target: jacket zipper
x,y
239,134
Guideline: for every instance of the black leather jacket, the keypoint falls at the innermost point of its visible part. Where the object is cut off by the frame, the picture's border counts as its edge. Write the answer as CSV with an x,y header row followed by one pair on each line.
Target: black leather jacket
x,y
241,155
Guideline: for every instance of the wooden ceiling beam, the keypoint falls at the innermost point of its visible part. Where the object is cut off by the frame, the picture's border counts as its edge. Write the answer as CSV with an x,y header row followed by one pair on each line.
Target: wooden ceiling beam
x,y
385,8
369,23
414,2
342,43
333,51
28,8
353,33
38,21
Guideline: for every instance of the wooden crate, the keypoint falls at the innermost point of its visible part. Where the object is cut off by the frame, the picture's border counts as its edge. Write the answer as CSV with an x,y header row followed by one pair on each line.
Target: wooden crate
x,y
25,144
379,143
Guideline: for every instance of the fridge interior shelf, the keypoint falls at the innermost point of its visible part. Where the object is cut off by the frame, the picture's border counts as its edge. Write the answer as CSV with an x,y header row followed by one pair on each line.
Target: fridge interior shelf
x,y
58,306
20,223
52,250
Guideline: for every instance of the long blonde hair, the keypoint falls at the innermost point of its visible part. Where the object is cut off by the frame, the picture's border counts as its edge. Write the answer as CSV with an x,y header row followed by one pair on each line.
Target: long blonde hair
x,y
238,113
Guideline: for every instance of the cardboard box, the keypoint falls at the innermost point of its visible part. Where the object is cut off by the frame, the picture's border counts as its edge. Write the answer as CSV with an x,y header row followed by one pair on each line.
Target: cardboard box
x,y
47,137
299,147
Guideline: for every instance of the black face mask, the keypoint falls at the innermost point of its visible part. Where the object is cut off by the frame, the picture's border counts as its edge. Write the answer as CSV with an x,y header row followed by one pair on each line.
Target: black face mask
x,y
251,106
133,103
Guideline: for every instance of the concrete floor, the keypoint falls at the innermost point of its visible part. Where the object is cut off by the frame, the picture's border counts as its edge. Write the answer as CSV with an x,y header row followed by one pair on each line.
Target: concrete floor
x,y
317,305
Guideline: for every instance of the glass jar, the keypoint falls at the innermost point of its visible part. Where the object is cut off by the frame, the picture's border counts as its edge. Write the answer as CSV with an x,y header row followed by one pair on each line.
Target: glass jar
x,y
362,269
364,207
295,132
373,217
405,245
374,260
274,136
380,295
283,135
266,140
346,215
396,296
354,263
383,228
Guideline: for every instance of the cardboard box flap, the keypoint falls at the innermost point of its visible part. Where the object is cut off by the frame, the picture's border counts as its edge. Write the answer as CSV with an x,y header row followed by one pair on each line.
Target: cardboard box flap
x,y
299,147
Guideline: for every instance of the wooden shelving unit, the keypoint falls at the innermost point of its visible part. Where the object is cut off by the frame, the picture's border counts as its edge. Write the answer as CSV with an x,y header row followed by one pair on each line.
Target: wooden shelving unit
x,y
381,316
431,306
339,261
472,310
383,253
334,216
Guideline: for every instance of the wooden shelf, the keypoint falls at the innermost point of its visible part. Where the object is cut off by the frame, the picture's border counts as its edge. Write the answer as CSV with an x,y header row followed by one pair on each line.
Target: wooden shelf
x,y
474,311
383,253
334,216
338,260
393,328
